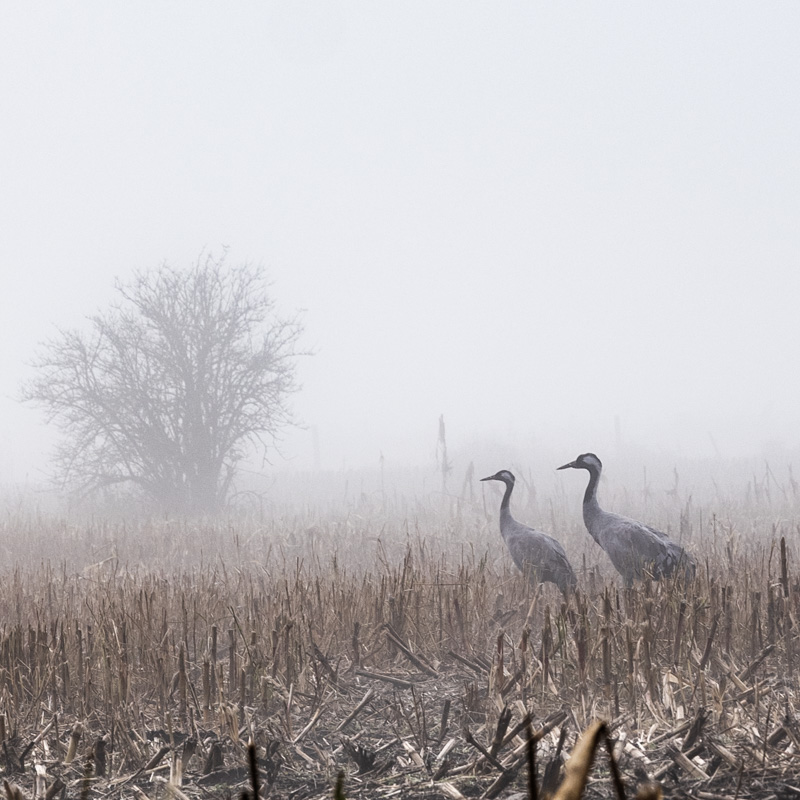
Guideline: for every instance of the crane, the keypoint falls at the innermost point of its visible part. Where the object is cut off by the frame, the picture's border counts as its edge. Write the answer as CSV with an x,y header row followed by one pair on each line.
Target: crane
x,y
634,548
536,554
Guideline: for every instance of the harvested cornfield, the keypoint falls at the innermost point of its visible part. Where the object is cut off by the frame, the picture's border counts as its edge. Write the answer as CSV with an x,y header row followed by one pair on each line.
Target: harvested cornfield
x,y
402,650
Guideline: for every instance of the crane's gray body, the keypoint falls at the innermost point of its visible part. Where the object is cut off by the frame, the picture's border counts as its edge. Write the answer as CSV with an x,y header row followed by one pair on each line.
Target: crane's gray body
x,y
635,549
536,554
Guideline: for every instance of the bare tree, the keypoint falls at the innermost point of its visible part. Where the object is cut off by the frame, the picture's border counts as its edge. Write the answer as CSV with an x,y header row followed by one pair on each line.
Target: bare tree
x,y
172,386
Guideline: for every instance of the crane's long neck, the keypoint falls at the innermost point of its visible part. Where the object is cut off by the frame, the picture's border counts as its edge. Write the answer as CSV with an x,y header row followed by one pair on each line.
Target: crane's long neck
x,y
505,510
591,508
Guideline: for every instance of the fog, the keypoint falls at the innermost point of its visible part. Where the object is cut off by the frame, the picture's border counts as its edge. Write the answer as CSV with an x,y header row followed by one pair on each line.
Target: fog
x,y
564,228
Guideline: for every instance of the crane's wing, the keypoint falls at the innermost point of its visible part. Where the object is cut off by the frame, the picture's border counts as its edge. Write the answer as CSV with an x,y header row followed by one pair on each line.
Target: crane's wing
x,y
635,548
541,555
674,556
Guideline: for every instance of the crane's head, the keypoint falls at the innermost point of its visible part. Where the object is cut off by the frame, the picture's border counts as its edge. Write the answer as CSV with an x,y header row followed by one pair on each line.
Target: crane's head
x,y
504,475
585,461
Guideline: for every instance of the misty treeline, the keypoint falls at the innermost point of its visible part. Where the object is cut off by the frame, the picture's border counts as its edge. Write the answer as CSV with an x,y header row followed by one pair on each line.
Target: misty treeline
x,y
171,386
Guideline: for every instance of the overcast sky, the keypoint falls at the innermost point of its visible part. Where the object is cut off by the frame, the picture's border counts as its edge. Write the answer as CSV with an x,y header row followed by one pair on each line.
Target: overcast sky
x,y
531,218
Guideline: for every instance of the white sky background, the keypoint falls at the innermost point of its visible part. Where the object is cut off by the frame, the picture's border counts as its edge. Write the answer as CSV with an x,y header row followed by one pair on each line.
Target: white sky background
x,y
529,217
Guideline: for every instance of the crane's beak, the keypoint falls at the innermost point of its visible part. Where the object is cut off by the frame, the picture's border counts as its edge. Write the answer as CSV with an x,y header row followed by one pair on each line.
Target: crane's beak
x,y
571,464
490,478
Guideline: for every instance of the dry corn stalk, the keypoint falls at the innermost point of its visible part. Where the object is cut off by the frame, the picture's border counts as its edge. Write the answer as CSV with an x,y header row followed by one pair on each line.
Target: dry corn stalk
x,y
74,739
580,764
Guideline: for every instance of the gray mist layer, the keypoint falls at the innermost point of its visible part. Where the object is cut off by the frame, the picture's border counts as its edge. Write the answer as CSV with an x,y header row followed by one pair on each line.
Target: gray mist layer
x,y
563,226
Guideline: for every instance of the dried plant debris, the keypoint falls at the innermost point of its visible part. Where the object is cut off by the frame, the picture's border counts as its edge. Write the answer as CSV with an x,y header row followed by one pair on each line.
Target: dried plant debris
x,y
411,676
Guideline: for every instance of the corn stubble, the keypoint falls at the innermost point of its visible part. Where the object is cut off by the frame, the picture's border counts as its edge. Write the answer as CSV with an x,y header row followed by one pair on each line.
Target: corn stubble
x,y
366,655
